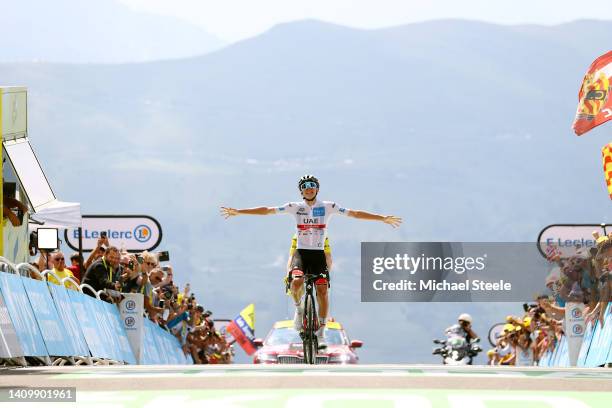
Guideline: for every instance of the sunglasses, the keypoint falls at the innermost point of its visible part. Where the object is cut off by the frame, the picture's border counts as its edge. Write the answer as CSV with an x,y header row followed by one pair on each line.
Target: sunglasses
x,y
151,263
308,184
59,259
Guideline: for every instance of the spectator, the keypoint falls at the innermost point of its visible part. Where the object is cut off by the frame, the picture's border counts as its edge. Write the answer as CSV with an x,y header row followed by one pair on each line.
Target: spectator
x,y
523,349
101,274
602,279
502,353
60,270
151,276
76,261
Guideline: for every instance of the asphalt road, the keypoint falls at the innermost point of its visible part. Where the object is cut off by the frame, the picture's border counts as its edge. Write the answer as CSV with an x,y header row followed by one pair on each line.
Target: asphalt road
x,y
318,386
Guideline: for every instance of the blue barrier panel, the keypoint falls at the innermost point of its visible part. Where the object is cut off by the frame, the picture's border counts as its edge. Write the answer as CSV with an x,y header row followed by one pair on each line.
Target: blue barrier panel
x,y
159,342
545,359
601,343
178,357
66,311
586,345
166,346
549,358
112,314
555,354
20,311
173,347
161,355
592,357
106,327
563,354
150,351
554,361
85,310
161,347
609,328
9,343
51,326
147,358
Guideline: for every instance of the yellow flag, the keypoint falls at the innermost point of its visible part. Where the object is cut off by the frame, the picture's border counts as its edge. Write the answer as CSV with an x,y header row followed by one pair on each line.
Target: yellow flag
x,y
242,328
248,314
606,153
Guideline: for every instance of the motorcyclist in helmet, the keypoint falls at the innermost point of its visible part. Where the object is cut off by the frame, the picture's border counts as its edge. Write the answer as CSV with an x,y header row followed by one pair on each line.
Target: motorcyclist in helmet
x,y
463,328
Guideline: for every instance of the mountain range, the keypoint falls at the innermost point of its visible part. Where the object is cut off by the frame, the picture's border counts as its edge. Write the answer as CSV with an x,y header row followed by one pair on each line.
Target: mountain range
x,y
95,31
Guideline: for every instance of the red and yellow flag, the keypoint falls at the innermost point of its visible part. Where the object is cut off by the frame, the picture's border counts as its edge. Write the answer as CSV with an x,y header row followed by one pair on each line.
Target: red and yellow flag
x,y
594,101
606,154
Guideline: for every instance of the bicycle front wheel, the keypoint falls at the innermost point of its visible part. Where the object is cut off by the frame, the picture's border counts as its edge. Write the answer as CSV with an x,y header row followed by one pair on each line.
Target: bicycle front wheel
x,y
310,339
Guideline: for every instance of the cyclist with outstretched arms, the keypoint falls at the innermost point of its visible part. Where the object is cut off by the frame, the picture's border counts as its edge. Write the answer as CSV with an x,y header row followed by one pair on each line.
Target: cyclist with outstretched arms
x,y
312,216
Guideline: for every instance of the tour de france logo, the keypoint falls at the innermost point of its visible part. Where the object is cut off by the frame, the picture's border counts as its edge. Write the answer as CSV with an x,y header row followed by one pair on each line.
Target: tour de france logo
x,y
576,313
130,305
142,233
130,321
577,329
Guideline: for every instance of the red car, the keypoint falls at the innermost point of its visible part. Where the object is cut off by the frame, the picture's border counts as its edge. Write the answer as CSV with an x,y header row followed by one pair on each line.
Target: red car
x,y
283,345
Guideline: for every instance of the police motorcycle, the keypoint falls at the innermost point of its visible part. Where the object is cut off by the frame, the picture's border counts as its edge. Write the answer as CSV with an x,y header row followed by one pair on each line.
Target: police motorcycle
x,y
456,349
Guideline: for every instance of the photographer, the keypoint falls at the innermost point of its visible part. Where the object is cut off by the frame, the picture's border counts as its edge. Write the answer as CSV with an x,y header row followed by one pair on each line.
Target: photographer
x,y
130,274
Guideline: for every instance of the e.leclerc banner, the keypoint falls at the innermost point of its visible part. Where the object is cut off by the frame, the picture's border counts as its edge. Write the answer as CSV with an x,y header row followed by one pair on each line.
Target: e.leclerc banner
x,y
566,238
135,233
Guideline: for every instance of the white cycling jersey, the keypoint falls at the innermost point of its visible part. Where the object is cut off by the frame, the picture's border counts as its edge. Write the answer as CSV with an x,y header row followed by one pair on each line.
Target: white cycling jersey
x,y
311,221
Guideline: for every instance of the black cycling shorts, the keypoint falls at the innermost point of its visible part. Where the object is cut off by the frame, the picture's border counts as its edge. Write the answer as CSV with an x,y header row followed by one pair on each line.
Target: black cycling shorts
x,y
311,262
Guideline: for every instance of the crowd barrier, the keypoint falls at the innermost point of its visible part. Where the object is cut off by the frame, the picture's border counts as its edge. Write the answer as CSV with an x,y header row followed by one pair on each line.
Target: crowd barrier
x,y
57,325
596,349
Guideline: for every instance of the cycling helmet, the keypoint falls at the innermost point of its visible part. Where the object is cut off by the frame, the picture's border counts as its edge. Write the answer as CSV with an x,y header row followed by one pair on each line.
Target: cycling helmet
x,y
307,177
465,317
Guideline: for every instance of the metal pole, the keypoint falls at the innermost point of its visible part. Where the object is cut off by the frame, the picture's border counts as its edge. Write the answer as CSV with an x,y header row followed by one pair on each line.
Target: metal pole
x,y
81,253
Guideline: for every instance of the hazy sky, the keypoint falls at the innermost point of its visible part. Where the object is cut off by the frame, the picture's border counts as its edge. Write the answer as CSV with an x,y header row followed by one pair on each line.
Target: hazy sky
x,y
233,20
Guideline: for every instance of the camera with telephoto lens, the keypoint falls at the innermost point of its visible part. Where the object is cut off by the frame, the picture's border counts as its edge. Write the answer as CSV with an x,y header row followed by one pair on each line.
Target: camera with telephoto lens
x,y
527,306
